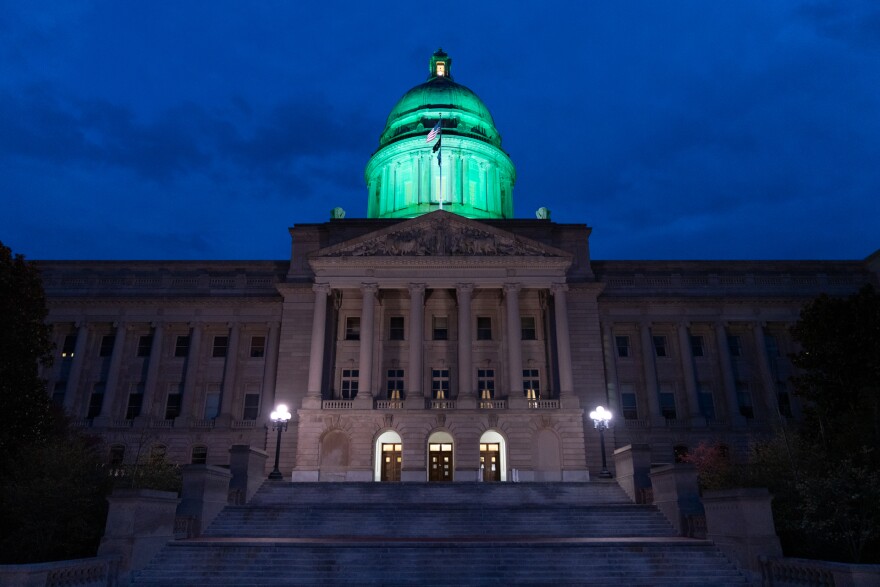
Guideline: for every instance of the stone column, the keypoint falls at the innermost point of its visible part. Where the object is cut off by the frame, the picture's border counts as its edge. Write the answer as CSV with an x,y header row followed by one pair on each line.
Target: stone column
x,y
651,375
610,352
365,361
227,399
690,379
71,395
111,394
563,342
416,336
316,353
734,417
270,366
514,345
192,369
153,369
465,344
764,369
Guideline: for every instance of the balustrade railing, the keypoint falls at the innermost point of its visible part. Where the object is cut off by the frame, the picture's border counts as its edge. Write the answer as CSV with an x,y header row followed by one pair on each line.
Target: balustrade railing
x,y
337,404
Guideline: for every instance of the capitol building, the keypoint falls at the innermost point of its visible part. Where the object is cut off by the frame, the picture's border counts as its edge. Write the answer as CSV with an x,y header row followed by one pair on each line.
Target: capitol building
x,y
437,339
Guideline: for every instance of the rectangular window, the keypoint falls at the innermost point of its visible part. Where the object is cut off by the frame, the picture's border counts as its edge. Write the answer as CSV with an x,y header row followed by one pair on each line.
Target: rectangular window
x,y
212,405
667,404
221,345
628,404
395,328
135,402
441,328
486,383
484,328
744,400
199,455
173,405
394,382
181,346
353,328
145,345
350,383
707,402
258,347
117,455
531,381
528,328
68,347
772,345
697,349
440,383
659,346
96,401
622,343
783,400
251,406
58,393
106,345
734,343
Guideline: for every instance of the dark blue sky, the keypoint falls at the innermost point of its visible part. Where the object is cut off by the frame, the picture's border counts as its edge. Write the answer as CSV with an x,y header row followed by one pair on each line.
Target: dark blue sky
x,y
676,129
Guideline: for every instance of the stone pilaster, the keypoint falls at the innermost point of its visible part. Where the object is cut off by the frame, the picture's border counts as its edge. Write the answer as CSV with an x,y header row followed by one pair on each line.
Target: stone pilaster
x,y
416,338
229,369
514,346
316,352
192,369
365,359
563,344
727,378
690,379
153,369
111,393
465,346
650,368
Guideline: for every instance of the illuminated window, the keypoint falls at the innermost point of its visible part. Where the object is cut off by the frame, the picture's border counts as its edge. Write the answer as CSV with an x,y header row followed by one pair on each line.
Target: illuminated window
x,y
531,380
68,347
395,383
441,68
486,383
440,383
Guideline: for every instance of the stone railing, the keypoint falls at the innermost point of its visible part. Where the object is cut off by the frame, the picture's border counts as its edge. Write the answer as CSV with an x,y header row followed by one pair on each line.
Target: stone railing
x,y
492,404
389,404
441,404
239,424
544,404
786,572
86,572
337,404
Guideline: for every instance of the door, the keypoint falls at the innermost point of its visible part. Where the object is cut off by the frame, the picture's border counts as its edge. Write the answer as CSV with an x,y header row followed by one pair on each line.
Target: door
x,y
392,456
439,462
490,461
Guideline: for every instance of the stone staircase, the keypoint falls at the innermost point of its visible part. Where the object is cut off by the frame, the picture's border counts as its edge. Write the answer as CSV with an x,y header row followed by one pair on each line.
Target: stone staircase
x,y
440,534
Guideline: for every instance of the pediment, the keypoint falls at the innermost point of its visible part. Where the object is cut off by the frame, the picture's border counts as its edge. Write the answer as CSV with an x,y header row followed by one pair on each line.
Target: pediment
x,y
441,234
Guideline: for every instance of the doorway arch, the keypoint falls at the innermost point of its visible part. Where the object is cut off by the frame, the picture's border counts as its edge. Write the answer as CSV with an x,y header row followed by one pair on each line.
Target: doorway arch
x,y
441,453
388,451
493,445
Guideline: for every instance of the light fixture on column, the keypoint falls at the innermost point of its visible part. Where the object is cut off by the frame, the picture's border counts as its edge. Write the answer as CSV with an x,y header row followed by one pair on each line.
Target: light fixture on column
x,y
601,417
280,417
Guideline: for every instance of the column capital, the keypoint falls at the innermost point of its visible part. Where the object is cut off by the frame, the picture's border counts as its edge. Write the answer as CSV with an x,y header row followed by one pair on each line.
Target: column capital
x,y
464,287
157,324
321,288
416,288
512,288
196,324
370,288
684,324
556,288
233,324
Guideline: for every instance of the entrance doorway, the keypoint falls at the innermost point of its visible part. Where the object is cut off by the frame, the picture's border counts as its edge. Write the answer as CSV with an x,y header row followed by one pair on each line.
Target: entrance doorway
x,y
490,461
440,461
392,456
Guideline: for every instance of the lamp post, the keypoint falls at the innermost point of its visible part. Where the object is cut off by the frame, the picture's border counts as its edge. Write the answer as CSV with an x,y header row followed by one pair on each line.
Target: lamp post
x,y
280,417
601,417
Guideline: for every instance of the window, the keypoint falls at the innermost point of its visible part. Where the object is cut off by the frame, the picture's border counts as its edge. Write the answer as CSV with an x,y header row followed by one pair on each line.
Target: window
x,y
441,68
628,404
395,383
181,346
117,455
659,346
221,345
395,328
251,406
772,345
667,403
68,347
352,328
158,453
532,381
440,383
707,402
173,405
145,345
199,455
58,393
441,328
258,347
744,400
528,328
106,345
96,400
135,401
622,343
484,328
697,349
350,383
486,383
734,343
783,399
212,405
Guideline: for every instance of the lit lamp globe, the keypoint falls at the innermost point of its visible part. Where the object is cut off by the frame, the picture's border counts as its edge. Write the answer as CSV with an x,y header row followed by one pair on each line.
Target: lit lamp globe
x,y
280,417
601,417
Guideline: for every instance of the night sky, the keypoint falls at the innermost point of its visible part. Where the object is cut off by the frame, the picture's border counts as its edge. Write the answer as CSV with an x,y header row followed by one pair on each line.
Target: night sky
x,y
676,129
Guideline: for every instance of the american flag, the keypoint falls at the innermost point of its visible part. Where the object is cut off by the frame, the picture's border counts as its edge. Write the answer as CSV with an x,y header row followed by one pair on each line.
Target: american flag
x,y
434,132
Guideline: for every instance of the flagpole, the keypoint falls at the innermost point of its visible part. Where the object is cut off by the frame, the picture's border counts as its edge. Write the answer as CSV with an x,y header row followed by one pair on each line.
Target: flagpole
x,y
440,157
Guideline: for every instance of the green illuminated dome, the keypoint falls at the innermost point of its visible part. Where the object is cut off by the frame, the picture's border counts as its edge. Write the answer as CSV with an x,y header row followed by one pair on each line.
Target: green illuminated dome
x,y
476,177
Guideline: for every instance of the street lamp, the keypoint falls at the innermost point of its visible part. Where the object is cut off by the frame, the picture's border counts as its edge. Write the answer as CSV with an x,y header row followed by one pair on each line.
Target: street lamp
x,y
280,417
601,417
